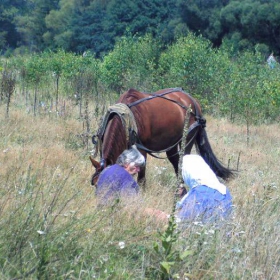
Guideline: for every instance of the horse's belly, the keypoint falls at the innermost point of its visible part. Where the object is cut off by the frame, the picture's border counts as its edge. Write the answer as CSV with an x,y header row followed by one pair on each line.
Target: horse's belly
x,y
161,137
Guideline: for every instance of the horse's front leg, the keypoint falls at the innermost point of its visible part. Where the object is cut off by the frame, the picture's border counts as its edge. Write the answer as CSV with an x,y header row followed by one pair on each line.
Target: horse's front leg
x,y
173,157
141,179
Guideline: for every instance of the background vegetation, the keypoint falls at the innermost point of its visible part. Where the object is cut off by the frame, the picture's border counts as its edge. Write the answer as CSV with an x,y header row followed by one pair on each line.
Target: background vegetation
x,y
51,104
83,25
241,87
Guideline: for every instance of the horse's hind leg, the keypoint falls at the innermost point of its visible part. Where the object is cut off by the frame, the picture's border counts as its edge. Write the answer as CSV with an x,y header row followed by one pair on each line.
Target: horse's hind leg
x,y
173,157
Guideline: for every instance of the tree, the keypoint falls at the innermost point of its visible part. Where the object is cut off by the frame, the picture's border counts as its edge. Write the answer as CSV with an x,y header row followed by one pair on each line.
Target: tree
x,y
202,17
9,37
88,29
59,23
102,23
32,26
130,63
257,22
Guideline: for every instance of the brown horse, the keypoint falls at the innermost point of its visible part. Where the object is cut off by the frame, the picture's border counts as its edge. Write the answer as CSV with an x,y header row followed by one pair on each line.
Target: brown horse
x,y
160,119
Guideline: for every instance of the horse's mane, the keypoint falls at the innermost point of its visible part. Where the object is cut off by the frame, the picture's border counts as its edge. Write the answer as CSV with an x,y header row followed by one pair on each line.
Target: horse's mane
x,y
114,142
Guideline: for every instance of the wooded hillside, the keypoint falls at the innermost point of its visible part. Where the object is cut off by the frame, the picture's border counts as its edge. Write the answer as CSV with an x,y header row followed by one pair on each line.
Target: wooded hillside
x,y
83,25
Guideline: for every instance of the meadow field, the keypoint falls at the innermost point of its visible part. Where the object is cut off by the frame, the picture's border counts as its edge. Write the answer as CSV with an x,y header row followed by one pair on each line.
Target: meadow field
x,y
51,228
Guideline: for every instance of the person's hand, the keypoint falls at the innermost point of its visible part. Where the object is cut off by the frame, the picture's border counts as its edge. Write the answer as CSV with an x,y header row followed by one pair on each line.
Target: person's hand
x,y
158,214
181,191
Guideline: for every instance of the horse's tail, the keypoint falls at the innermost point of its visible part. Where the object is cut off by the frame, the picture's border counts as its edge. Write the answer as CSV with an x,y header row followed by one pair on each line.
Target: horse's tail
x,y
205,150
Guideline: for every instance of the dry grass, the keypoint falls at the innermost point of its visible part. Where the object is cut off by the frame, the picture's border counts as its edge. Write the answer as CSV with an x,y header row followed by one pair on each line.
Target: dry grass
x,y
46,151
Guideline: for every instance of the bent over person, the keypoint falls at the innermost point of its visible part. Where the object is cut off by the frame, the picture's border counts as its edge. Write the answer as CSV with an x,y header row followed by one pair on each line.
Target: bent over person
x,y
117,180
208,200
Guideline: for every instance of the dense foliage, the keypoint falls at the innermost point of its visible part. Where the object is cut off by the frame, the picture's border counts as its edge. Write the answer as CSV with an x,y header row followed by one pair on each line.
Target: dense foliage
x,y
87,25
240,87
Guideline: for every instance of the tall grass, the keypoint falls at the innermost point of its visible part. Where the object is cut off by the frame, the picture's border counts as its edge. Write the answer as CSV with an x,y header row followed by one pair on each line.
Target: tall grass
x,y
50,227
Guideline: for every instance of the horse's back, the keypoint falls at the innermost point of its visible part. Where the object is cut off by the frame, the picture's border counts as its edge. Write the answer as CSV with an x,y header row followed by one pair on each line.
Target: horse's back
x,y
167,99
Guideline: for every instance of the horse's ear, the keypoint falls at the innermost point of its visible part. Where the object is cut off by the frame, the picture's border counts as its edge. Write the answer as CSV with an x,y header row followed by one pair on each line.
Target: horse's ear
x,y
95,163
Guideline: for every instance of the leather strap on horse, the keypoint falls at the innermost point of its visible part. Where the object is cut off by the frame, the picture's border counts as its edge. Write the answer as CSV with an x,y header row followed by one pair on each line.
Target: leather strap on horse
x,y
153,95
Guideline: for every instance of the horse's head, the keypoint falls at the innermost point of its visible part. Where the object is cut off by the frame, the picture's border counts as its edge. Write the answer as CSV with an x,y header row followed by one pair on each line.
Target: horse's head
x,y
99,166
112,138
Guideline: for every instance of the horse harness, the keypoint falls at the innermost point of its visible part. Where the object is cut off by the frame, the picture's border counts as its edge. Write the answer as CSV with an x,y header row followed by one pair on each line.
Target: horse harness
x,y
129,123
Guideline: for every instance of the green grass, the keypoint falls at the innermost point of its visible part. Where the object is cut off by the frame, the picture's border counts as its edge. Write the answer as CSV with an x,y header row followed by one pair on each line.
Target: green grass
x,y
50,227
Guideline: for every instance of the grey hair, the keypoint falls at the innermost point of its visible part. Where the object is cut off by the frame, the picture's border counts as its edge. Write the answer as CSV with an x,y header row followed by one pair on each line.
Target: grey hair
x,y
131,156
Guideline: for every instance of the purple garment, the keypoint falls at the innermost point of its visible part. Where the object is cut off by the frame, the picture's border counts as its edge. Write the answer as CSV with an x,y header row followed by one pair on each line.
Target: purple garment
x,y
115,182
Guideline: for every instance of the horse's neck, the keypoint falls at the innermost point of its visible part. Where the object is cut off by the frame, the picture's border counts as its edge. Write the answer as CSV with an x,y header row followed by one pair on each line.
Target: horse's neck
x,y
114,142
